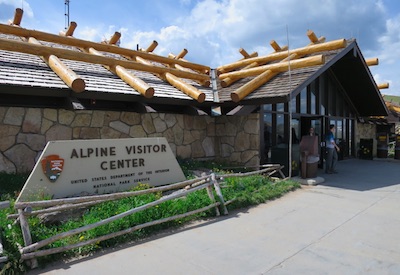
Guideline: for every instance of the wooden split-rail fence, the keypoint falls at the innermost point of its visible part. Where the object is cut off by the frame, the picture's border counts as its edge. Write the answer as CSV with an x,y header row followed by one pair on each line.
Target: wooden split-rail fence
x,y
210,182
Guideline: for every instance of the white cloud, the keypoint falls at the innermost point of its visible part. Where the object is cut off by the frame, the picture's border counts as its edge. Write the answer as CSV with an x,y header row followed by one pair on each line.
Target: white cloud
x,y
91,34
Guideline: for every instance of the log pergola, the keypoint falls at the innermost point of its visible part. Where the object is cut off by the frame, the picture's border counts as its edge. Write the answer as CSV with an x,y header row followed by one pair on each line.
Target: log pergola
x,y
174,69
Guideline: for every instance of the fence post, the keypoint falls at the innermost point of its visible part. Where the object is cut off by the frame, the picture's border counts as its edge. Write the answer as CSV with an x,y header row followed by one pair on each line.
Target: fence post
x,y
211,195
26,234
219,193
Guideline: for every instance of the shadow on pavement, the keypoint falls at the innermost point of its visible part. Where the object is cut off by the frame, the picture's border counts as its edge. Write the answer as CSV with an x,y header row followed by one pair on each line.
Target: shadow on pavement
x,y
363,175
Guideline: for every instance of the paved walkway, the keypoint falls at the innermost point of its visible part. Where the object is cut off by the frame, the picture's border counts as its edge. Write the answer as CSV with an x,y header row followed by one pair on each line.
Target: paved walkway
x,y
350,224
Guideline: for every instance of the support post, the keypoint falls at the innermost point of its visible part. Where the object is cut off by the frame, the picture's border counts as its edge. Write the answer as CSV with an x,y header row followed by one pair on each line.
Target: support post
x,y
212,198
219,193
26,234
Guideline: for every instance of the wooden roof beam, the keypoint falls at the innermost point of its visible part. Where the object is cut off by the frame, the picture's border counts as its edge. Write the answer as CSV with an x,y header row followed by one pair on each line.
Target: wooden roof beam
x,y
226,82
332,45
314,39
16,46
229,81
383,86
129,78
182,54
205,83
70,78
6,29
70,31
139,85
261,79
114,39
278,67
75,82
175,81
276,46
372,61
17,17
152,47
246,54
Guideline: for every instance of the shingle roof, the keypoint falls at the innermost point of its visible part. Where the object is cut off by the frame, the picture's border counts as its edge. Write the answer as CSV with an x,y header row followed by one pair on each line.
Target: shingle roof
x,y
29,71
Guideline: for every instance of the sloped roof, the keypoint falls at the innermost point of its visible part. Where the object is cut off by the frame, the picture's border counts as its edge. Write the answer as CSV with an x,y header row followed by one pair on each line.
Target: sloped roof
x,y
28,75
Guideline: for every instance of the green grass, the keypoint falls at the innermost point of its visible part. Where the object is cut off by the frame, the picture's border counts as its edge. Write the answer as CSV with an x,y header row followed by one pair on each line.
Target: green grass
x,y
392,98
246,191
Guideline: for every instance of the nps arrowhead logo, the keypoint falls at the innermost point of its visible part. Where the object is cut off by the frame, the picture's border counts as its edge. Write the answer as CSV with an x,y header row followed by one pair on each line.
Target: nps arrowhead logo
x,y
52,166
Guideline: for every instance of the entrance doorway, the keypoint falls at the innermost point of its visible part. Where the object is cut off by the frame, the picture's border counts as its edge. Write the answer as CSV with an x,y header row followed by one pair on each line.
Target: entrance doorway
x,y
317,124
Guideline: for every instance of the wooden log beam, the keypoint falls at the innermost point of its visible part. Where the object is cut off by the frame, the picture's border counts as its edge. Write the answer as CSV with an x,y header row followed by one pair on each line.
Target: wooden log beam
x,y
226,82
229,81
70,30
177,83
332,45
139,85
314,39
115,38
261,79
205,83
276,46
277,67
372,61
152,46
129,78
311,35
6,29
41,50
76,83
17,17
383,86
181,54
185,87
244,53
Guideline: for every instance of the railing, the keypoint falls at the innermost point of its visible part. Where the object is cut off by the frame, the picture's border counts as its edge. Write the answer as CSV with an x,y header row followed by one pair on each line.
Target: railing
x,y
25,209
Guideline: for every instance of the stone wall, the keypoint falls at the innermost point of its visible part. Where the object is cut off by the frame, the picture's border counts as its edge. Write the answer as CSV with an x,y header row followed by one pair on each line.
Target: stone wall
x,y
24,133
366,131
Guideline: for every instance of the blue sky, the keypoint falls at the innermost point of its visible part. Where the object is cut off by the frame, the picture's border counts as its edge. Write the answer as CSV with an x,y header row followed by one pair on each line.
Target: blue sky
x,y
213,30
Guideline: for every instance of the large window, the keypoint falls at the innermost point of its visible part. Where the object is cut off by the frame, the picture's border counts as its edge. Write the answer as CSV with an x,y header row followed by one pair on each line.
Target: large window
x,y
322,101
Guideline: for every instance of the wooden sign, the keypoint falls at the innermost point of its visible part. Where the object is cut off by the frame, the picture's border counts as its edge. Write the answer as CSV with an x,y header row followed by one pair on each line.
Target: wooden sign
x,y
85,167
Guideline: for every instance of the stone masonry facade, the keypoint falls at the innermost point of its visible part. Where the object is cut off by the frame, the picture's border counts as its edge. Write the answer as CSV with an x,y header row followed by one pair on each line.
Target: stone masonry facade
x,y
367,131
24,133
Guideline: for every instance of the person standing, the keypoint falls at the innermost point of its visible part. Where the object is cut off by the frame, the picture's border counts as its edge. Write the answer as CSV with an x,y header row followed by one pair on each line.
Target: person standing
x,y
331,149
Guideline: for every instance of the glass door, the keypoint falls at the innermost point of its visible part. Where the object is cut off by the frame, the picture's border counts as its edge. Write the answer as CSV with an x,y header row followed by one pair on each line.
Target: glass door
x,y
316,123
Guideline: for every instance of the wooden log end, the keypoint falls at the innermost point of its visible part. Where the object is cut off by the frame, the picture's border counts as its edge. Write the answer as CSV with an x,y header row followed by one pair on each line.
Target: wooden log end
x,y
181,54
78,85
114,39
205,83
311,35
17,16
152,47
235,97
372,61
244,53
201,97
219,71
225,82
275,46
71,29
149,93
383,86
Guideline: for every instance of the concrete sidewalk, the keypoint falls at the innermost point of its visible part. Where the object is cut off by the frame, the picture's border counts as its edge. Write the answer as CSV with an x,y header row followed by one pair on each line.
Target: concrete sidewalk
x,y
350,224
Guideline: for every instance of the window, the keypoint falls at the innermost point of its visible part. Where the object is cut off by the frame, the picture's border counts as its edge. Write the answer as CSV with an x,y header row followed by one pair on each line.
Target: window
x,y
303,101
